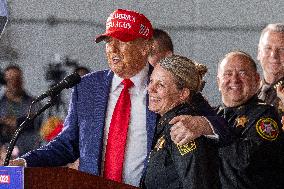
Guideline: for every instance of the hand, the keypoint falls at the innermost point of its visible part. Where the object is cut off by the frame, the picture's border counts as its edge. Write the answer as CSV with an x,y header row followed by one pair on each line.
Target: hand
x,y
280,92
18,162
186,128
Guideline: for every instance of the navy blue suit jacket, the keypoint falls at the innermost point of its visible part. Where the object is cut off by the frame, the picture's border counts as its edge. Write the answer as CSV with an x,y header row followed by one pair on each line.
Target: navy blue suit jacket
x,y
82,136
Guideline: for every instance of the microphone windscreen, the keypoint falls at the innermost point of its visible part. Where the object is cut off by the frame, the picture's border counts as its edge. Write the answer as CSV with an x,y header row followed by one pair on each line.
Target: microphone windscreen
x,y
72,80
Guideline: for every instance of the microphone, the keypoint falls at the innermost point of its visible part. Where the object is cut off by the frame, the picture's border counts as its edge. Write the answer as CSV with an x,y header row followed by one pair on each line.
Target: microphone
x,y
2,80
3,15
68,82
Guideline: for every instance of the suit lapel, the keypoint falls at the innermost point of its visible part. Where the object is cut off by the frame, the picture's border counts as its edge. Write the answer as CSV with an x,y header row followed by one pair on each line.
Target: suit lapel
x,y
101,96
150,125
151,118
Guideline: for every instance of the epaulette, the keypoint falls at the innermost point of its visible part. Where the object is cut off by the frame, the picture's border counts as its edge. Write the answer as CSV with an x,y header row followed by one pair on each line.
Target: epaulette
x,y
264,104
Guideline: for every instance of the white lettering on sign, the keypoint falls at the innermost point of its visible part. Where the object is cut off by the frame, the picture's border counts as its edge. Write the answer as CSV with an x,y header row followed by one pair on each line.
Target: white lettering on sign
x,y
4,179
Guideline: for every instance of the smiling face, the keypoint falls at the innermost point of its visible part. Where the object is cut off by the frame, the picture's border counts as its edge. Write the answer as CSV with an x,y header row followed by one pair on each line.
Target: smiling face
x,y
126,59
237,80
163,92
271,55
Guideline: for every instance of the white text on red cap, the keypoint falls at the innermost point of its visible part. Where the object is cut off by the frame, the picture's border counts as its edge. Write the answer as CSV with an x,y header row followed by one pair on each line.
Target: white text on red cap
x,y
118,25
144,30
121,17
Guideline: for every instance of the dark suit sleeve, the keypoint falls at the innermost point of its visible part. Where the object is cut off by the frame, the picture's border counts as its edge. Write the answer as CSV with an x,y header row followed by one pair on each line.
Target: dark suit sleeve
x,y
218,123
64,148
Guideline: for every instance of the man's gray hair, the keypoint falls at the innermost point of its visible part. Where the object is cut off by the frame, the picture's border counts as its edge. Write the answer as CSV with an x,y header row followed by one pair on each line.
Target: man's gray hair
x,y
239,53
276,27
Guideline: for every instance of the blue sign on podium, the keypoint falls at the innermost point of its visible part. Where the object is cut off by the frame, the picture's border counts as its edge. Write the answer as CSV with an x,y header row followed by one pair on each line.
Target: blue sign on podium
x,y
11,177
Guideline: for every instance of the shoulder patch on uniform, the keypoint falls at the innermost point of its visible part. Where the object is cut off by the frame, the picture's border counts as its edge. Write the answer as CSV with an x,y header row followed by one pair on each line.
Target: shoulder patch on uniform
x,y
267,128
186,148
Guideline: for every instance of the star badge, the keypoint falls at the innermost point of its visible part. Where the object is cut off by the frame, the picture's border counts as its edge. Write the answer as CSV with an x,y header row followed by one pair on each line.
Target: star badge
x,y
160,143
241,121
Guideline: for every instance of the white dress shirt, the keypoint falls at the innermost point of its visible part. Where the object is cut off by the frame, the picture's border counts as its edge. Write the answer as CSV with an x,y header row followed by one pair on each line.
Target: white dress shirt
x,y
136,145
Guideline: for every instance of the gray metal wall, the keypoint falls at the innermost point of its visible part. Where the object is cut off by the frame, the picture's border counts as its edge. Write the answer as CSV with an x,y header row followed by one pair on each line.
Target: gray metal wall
x,y
201,29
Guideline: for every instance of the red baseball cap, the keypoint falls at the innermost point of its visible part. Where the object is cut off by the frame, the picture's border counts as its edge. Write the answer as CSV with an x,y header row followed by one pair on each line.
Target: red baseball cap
x,y
127,25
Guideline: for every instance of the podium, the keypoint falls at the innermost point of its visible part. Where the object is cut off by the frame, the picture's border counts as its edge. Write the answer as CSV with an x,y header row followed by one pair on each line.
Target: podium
x,y
66,178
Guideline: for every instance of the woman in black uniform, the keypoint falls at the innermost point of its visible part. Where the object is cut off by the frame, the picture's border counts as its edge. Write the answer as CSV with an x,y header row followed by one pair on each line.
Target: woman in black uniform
x,y
173,83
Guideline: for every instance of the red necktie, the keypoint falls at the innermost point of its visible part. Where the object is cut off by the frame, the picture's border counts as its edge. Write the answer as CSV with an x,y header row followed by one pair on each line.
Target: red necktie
x,y
116,142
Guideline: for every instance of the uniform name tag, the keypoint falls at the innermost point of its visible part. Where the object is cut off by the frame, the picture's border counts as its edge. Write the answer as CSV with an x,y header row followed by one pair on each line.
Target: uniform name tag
x,y
186,148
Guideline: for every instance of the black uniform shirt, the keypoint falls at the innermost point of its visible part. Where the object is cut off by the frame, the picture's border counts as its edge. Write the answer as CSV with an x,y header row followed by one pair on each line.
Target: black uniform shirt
x,y
254,158
193,165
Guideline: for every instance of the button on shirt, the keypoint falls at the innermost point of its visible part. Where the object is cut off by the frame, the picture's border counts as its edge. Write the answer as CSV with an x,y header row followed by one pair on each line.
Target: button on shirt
x,y
136,145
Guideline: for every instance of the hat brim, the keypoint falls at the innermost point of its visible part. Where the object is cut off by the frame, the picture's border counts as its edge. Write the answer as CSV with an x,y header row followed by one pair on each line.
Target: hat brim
x,y
100,38
122,36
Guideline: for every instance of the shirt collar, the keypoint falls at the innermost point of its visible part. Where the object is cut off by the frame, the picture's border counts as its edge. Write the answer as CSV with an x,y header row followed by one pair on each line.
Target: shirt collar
x,y
263,82
139,80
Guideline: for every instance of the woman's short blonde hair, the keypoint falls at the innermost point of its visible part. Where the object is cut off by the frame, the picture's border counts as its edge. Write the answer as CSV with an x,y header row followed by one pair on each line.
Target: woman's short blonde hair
x,y
189,74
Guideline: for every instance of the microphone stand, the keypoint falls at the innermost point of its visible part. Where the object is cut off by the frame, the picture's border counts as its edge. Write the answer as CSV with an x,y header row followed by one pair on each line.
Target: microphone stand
x,y
29,119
